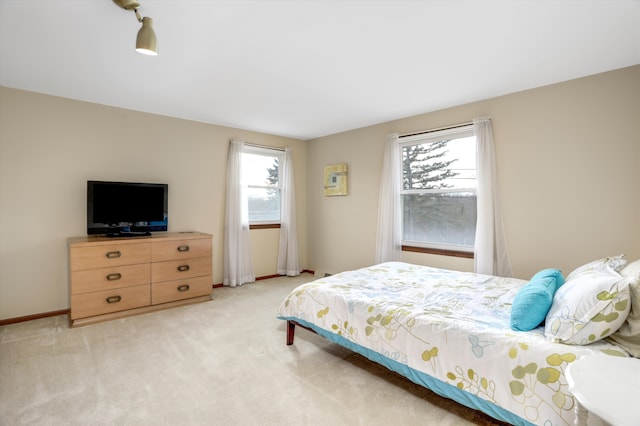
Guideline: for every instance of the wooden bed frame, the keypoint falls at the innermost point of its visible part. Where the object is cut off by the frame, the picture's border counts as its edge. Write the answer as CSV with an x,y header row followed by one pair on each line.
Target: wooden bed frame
x,y
291,330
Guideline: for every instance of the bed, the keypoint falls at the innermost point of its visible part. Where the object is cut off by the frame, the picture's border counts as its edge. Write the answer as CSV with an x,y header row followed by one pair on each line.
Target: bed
x,y
450,332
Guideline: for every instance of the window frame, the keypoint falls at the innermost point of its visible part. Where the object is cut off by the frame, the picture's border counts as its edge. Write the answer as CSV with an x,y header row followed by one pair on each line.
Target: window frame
x,y
273,153
457,132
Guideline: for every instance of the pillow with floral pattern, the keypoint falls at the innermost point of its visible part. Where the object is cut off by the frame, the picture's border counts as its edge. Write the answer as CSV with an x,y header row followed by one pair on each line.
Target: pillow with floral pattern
x,y
591,305
613,262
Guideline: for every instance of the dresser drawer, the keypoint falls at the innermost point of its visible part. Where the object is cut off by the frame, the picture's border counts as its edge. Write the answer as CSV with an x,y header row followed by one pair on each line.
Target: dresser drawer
x,y
109,278
180,249
180,269
109,255
107,301
180,289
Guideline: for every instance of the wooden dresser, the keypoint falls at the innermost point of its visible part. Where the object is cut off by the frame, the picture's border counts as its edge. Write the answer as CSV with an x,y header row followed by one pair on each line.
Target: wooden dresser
x,y
115,277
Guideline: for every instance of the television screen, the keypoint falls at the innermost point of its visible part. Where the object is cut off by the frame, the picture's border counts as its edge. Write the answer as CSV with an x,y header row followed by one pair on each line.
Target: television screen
x,y
126,207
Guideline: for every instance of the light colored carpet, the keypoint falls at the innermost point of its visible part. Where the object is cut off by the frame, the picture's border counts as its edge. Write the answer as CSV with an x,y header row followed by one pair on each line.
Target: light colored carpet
x,y
222,362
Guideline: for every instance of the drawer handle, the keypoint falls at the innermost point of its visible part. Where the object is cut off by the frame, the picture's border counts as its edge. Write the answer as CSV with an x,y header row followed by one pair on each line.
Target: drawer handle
x,y
114,277
114,299
183,248
184,287
183,268
114,254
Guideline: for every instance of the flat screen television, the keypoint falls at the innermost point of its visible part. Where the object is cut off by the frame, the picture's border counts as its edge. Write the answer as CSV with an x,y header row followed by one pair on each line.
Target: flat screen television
x,y
126,208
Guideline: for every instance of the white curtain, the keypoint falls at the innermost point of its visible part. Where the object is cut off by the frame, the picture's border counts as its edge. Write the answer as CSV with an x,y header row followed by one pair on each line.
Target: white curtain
x,y
238,260
491,254
389,240
288,262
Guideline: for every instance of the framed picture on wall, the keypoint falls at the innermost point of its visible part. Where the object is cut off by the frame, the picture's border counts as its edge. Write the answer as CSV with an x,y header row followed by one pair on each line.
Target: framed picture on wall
x,y
335,179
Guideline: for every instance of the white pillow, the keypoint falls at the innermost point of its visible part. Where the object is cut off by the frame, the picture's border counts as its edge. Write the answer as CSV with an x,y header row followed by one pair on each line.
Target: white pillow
x,y
614,262
632,271
628,336
590,306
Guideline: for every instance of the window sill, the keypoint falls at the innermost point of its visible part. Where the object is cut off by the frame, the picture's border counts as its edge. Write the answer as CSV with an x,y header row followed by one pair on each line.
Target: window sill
x,y
265,226
441,252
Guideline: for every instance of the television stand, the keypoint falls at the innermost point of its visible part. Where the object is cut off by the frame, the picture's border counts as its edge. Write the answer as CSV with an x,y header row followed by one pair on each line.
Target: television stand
x,y
129,234
117,277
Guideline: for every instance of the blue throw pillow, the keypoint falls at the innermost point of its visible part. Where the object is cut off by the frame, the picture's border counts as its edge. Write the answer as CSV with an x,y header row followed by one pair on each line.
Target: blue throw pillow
x,y
554,273
533,301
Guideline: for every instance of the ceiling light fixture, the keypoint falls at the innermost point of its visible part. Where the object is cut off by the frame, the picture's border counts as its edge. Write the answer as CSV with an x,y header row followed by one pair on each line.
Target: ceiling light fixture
x,y
146,40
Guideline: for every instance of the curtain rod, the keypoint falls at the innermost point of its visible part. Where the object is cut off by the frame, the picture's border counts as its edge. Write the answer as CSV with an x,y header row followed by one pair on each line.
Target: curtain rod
x,y
255,145
425,132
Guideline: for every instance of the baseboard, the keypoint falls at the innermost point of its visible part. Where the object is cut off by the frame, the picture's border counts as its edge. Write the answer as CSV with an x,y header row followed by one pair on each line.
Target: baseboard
x,y
266,277
66,311
33,317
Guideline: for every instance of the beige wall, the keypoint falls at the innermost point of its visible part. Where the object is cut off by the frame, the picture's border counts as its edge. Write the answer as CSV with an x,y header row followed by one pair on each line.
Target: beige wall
x,y
50,147
569,177
568,163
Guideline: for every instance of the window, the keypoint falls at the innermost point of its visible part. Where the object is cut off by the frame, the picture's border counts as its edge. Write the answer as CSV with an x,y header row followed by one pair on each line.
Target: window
x,y
438,191
261,174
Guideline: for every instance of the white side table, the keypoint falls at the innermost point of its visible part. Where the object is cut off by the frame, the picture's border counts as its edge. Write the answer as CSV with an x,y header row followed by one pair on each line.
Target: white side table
x,y
607,386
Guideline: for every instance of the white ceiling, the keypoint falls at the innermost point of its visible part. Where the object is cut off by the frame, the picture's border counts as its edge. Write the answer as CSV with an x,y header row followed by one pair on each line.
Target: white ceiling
x,y
305,68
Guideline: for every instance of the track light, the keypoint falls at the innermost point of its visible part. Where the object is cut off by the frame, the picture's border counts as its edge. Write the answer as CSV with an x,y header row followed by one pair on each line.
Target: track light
x,y
146,40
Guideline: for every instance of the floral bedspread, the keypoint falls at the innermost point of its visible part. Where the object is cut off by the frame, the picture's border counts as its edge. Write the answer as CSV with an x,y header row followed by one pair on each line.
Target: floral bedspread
x,y
451,326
